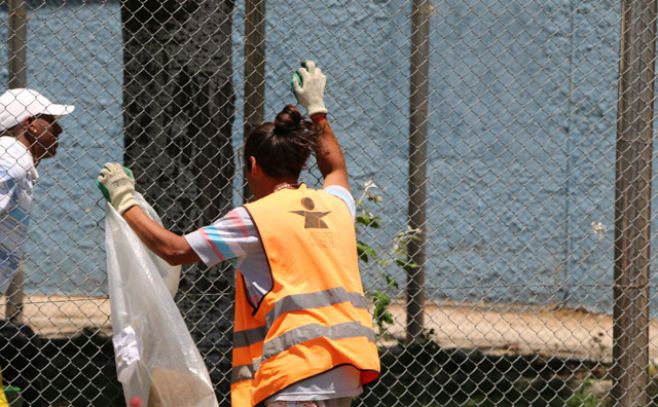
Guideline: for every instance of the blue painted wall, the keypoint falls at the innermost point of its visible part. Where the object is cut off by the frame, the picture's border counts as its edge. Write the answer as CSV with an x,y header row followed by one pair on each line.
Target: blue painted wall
x,y
521,135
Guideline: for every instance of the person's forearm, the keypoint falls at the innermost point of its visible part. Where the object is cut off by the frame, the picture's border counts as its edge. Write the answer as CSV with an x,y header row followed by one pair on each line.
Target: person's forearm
x,y
173,248
329,155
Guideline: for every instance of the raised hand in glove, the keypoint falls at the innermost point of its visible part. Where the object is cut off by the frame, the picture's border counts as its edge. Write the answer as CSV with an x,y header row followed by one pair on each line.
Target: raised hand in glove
x,y
308,84
118,186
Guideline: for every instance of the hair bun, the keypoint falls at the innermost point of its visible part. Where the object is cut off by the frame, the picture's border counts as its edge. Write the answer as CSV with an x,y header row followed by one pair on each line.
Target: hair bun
x,y
289,119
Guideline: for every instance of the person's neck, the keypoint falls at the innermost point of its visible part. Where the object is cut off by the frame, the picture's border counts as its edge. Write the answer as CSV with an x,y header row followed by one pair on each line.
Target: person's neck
x,y
286,185
272,185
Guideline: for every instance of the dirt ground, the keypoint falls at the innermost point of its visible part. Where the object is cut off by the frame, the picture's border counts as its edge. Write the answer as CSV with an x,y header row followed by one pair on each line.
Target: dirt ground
x,y
492,329
522,330
59,316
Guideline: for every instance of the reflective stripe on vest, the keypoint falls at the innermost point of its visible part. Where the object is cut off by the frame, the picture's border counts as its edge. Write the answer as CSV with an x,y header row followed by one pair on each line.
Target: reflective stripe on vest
x,y
249,336
300,335
298,302
244,372
319,299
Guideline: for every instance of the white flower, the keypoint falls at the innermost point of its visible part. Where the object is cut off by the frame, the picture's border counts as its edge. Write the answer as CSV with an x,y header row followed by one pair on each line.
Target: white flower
x,y
402,239
599,230
369,184
369,191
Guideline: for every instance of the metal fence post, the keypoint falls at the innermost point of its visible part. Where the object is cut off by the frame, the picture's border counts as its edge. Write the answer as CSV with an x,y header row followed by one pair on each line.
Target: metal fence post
x,y
633,202
419,64
254,69
17,79
17,44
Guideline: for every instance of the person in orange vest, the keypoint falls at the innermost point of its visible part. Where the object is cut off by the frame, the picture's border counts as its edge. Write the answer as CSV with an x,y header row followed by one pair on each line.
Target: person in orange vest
x,y
303,335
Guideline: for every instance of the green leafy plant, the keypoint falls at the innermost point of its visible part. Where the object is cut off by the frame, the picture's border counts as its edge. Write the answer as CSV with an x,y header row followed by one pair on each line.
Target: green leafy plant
x,y
400,244
381,300
366,219
583,397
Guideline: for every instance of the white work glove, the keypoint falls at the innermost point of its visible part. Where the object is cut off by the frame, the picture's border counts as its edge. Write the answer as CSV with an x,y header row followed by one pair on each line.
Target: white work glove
x,y
119,186
310,91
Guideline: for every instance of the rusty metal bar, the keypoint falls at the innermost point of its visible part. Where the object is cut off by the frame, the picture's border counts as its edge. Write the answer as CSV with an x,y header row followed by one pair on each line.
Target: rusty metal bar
x,y
17,69
633,202
418,112
254,70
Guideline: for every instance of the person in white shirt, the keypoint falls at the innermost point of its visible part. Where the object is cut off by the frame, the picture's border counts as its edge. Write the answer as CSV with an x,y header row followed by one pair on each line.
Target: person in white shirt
x,y
28,134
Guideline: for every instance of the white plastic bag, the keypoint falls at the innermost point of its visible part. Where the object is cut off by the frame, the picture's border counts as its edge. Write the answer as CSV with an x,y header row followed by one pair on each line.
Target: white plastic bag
x,y
157,361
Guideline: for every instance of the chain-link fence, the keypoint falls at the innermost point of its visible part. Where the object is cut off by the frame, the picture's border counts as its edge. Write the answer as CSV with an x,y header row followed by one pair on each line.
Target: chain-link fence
x,y
481,141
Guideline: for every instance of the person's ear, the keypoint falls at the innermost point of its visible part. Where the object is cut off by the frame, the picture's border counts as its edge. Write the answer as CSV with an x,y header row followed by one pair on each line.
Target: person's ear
x,y
28,124
254,169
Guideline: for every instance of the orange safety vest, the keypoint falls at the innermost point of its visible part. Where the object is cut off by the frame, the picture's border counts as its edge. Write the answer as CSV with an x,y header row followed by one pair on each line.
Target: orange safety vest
x,y
316,316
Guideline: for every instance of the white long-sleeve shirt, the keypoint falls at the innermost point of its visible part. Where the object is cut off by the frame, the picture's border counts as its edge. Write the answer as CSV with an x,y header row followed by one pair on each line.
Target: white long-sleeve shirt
x,y
17,178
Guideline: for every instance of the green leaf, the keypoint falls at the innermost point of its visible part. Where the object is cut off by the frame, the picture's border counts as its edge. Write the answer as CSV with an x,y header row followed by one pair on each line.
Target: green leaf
x,y
365,252
406,264
381,298
374,198
369,220
391,282
387,317
381,316
375,222
362,220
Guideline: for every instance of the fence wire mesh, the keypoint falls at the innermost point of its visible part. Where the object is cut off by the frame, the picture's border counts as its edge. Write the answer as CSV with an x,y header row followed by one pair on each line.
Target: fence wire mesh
x,y
520,179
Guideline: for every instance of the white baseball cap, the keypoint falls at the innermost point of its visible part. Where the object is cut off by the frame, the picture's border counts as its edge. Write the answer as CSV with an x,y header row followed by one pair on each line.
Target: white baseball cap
x,y
18,104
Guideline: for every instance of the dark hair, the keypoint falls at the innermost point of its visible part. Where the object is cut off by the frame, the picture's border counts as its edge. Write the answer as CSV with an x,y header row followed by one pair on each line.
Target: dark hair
x,y
282,147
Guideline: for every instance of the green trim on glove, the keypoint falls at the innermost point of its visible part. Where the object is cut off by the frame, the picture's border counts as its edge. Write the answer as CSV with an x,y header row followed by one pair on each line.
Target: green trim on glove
x,y
106,193
120,185
309,88
296,77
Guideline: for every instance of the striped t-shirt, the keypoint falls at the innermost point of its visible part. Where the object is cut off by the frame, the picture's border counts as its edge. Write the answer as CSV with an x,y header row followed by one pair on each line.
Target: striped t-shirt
x,y
234,238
